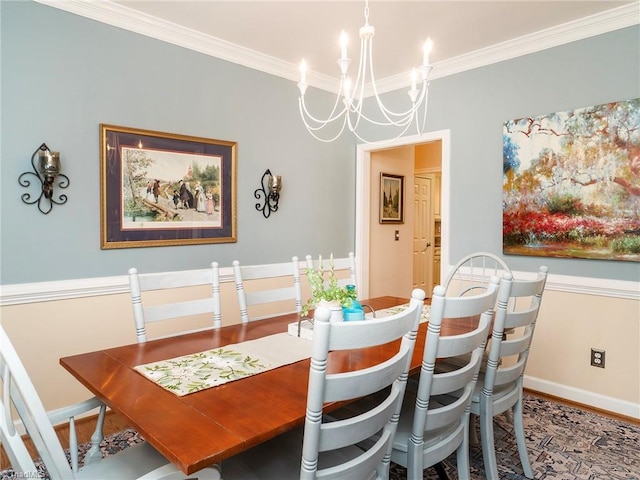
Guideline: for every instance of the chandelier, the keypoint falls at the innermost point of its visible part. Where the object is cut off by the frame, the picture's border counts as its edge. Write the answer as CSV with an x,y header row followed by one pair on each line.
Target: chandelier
x,y
350,110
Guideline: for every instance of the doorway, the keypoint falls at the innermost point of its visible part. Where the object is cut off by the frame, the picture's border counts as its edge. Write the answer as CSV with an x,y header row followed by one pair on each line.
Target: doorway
x,y
422,233
367,204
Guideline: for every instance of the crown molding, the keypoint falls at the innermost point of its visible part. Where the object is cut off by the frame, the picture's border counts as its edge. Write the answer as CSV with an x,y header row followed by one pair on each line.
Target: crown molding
x,y
134,21
608,21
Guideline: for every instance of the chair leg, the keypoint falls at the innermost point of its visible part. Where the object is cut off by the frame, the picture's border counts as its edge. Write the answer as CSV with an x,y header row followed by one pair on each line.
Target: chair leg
x,y
473,435
94,454
462,454
518,426
414,462
508,415
488,443
442,474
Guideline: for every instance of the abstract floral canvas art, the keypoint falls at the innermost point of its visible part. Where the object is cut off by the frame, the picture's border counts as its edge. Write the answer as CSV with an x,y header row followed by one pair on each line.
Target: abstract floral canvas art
x,y
571,183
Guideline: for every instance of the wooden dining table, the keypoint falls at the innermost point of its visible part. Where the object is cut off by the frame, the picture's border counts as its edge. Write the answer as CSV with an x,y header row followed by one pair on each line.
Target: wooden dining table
x,y
203,428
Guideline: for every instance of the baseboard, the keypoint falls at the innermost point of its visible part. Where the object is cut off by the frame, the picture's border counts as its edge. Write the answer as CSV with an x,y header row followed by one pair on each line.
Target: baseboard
x,y
584,397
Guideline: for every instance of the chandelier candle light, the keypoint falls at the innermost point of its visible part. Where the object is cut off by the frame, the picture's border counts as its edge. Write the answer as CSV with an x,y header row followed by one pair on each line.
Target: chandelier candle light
x,y
352,97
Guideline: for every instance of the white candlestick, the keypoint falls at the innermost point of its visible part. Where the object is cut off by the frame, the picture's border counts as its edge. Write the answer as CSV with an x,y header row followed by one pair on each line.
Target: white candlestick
x,y
343,44
428,45
303,71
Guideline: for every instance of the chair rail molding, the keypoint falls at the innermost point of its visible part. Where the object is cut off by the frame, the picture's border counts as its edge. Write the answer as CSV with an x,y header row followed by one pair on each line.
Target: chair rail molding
x,y
25,293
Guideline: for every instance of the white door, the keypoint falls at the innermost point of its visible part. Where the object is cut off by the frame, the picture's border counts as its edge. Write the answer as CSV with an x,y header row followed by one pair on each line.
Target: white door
x,y
422,234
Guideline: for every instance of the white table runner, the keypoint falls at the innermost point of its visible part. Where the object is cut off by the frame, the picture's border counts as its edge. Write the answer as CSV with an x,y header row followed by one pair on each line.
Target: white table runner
x,y
304,329
199,371
424,316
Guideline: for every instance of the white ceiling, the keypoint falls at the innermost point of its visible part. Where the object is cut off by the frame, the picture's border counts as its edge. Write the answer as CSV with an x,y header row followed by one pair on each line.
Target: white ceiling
x,y
274,36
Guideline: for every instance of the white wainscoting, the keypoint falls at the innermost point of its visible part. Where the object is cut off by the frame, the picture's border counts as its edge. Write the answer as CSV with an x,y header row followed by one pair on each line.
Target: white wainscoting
x,y
42,292
24,293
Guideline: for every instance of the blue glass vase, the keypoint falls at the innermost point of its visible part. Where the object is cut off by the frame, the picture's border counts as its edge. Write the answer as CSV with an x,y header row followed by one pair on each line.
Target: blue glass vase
x,y
355,311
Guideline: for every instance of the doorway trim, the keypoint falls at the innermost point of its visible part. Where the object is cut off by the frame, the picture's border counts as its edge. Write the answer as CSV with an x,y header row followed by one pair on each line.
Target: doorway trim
x,y
363,196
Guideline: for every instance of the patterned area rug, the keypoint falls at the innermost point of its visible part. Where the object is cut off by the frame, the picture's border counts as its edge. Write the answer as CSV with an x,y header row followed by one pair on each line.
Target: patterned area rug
x,y
564,443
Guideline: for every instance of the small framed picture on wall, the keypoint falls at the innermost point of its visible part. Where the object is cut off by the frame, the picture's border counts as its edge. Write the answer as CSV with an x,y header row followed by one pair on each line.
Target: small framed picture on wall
x,y
391,198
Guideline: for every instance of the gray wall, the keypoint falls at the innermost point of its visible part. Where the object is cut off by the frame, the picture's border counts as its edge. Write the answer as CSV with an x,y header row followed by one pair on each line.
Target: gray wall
x,y
475,104
63,75
590,72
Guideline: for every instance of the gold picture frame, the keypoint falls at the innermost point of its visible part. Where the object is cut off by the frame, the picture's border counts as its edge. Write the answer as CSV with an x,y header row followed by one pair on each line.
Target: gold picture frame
x,y
163,189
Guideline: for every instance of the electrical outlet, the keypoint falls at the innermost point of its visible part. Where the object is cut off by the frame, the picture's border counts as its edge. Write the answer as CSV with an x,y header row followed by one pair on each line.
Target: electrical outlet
x,y
597,358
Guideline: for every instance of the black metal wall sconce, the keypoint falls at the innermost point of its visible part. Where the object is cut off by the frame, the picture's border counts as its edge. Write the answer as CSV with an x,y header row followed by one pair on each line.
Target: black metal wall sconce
x,y
270,190
46,171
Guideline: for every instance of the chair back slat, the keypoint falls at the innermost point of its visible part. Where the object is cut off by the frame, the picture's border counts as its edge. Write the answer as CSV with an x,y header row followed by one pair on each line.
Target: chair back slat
x,y
177,279
268,296
144,312
155,313
345,335
516,344
509,374
369,423
247,298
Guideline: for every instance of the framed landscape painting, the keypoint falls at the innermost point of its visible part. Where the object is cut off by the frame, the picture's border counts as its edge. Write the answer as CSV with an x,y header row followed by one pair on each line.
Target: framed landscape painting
x,y
391,198
161,189
571,183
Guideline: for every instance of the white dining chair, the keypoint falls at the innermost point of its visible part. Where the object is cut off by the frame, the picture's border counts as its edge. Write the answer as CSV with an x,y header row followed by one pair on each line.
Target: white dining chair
x,y
434,421
167,286
273,273
472,274
326,447
499,387
21,405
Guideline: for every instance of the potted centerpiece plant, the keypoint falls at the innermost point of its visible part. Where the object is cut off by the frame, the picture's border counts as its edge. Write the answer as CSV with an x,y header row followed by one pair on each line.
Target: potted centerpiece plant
x,y
326,291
